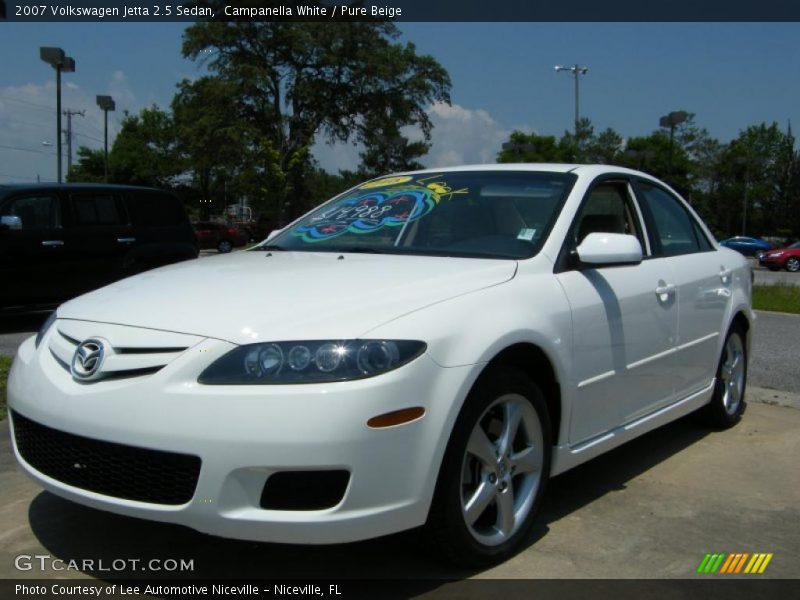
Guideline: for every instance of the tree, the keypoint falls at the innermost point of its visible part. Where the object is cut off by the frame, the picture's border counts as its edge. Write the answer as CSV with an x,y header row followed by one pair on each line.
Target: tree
x,y
604,149
90,167
212,143
343,81
145,151
530,147
757,169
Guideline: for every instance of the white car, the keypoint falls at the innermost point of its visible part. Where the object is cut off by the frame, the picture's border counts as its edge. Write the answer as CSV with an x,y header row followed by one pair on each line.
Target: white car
x,y
427,348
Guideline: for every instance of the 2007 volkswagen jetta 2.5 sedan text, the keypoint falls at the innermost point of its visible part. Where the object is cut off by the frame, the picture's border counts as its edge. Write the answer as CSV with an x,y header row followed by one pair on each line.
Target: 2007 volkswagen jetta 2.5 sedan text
x,y
427,348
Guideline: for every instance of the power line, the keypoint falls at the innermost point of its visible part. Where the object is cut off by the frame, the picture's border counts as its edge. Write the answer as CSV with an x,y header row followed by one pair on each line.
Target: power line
x,y
29,123
87,136
27,103
19,177
27,150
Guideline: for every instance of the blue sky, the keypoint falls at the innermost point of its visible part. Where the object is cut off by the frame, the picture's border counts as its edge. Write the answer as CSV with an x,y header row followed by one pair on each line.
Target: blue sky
x,y
731,75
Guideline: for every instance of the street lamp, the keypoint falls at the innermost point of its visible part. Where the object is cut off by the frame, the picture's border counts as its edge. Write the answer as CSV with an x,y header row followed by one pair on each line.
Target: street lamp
x,y
672,120
106,103
56,58
576,71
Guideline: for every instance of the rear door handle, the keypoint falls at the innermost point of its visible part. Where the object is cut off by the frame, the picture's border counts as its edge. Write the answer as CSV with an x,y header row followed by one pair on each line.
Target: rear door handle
x,y
126,240
52,243
724,274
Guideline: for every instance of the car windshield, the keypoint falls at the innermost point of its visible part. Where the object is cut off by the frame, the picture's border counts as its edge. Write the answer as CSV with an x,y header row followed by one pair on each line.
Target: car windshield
x,y
795,246
488,214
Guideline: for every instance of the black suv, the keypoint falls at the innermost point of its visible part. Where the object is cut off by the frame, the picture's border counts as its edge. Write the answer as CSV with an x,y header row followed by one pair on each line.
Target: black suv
x,y
59,241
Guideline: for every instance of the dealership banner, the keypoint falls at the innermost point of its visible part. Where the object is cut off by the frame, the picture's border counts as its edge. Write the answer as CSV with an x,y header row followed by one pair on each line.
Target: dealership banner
x,y
398,10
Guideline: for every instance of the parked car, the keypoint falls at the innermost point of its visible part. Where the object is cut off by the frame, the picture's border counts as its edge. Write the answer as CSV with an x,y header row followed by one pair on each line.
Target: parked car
x,y
749,246
426,349
783,258
222,236
59,241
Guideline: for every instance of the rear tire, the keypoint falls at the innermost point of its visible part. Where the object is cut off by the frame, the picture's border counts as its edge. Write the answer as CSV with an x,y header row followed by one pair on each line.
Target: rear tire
x,y
793,264
494,472
224,246
728,401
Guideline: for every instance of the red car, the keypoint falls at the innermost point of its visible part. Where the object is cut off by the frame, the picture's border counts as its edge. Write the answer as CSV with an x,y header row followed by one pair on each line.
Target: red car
x,y
782,258
221,236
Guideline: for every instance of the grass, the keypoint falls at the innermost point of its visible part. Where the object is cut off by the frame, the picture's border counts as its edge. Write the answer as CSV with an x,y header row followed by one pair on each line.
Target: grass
x,y
778,298
5,365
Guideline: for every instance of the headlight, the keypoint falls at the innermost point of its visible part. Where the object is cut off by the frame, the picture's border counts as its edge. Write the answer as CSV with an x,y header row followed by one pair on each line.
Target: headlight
x,y
43,329
318,361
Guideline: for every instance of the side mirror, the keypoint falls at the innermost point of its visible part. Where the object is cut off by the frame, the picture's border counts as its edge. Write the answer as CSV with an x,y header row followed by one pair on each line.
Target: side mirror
x,y
610,249
273,233
10,222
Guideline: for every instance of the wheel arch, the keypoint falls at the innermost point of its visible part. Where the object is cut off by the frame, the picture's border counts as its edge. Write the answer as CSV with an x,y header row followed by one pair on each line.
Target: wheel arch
x,y
741,319
534,362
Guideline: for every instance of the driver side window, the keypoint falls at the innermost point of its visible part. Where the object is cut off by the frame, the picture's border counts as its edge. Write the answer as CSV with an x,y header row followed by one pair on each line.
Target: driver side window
x,y
608,209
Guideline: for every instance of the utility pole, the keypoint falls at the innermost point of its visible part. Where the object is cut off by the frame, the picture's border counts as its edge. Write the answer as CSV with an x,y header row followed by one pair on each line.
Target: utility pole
x,y
68,113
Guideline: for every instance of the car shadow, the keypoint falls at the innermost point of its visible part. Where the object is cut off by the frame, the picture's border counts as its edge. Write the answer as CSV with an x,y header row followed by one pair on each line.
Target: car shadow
x,y
72,532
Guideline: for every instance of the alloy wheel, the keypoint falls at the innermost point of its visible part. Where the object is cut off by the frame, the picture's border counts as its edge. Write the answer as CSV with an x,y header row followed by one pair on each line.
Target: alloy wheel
x,y
733,374
502,469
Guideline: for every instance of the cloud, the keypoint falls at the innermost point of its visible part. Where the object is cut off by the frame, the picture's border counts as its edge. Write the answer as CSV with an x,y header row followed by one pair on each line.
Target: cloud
x,y
28,125
463,136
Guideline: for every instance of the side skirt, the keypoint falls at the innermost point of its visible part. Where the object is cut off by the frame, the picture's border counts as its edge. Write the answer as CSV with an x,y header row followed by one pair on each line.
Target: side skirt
x,y
566,457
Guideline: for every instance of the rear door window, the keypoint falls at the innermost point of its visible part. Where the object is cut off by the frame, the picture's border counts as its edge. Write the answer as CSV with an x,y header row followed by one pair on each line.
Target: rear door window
x,y
93,209
676,231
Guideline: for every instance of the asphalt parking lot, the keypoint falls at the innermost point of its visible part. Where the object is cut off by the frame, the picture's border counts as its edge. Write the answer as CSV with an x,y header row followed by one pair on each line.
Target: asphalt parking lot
x,y
650,509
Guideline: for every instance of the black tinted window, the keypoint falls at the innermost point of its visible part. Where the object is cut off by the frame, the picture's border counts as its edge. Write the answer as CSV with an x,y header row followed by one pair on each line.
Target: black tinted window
x,y
674,226
35,212
157,210
96,209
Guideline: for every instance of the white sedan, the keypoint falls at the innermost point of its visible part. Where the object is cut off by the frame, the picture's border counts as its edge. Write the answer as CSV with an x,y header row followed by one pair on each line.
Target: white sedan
x,y
427,348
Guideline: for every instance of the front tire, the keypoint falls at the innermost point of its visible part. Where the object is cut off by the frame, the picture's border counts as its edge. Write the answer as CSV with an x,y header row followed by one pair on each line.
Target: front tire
x,y
793,264
494,471
728,403
224,246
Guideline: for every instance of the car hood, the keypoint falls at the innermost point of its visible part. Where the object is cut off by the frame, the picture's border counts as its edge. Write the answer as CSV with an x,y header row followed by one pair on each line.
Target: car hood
x,y
247,297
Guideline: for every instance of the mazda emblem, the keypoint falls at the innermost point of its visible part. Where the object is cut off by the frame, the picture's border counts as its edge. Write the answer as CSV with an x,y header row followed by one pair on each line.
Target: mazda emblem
x,y
87,360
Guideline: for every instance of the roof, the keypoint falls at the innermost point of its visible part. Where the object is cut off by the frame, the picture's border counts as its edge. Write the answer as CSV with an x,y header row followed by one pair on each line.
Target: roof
x,y
578,169
6,189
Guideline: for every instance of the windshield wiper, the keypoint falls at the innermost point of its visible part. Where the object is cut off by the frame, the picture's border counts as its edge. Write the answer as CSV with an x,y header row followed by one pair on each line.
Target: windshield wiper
x,y
358,250
270,247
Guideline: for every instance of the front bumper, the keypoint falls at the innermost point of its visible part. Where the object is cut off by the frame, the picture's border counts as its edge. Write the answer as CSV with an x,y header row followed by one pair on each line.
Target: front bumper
x,y
770,261
243,434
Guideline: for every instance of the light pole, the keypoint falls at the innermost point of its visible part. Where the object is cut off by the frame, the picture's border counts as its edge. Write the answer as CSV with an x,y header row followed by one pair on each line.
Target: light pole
x,y
672,120
106,103
576,71
56,58
748,162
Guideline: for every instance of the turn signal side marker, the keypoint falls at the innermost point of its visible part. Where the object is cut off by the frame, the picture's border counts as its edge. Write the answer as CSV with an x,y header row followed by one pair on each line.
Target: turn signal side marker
x,y
396,417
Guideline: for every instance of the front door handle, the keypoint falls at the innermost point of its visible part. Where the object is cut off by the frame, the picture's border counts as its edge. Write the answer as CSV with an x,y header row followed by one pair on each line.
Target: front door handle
x,y
724,274
52,243
126,240
664,291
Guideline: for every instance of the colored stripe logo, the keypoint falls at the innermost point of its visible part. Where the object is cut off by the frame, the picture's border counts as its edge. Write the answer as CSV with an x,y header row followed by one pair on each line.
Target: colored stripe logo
x,y
737,562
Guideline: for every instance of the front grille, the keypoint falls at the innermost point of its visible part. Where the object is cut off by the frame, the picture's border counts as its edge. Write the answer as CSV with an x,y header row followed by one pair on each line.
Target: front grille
x,y
107,468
